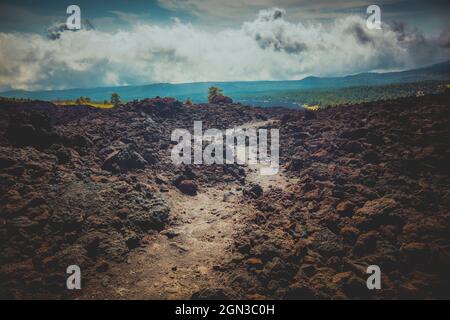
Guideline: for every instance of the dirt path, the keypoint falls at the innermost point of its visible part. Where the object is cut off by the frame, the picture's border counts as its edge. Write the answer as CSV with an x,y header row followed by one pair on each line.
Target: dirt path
x,y
186,256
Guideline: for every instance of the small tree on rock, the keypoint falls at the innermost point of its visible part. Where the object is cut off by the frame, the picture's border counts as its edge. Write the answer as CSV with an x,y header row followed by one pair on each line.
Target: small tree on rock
x,y
214,92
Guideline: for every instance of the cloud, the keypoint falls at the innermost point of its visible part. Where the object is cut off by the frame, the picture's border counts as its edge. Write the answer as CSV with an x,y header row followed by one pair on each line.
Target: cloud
x,y
267,48
270,30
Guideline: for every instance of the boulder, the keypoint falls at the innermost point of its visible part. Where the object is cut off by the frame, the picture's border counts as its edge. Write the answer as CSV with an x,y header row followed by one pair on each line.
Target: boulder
x,y
221,99
124,160
416,252
154,217
376,212
31,129
345,208
254,191
366,242
349,233
326,243
353,146
188,187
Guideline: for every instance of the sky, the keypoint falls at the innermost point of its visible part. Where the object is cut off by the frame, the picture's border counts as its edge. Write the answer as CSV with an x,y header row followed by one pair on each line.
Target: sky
x,y
144,41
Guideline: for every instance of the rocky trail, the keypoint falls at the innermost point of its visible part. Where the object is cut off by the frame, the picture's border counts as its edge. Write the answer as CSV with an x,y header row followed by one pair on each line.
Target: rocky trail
x,y
358,185
188,255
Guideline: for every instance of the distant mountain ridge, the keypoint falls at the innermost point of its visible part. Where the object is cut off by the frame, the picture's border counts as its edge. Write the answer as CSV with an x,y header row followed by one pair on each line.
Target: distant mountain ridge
x,y
198,91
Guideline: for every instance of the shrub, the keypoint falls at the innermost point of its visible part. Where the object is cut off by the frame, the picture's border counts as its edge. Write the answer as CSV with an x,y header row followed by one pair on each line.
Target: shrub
x,y
115,99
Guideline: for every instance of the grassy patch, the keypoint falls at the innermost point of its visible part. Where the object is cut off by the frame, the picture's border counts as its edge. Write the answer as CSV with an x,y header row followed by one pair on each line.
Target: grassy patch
x,y
95,104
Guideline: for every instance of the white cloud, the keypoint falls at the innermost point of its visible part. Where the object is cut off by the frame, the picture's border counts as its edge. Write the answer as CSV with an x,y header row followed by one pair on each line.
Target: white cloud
x,y
267,48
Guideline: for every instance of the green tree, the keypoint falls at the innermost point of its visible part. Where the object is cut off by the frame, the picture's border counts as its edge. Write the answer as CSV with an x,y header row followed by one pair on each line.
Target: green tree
x,y
189,102
214,92
82,100
115,99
